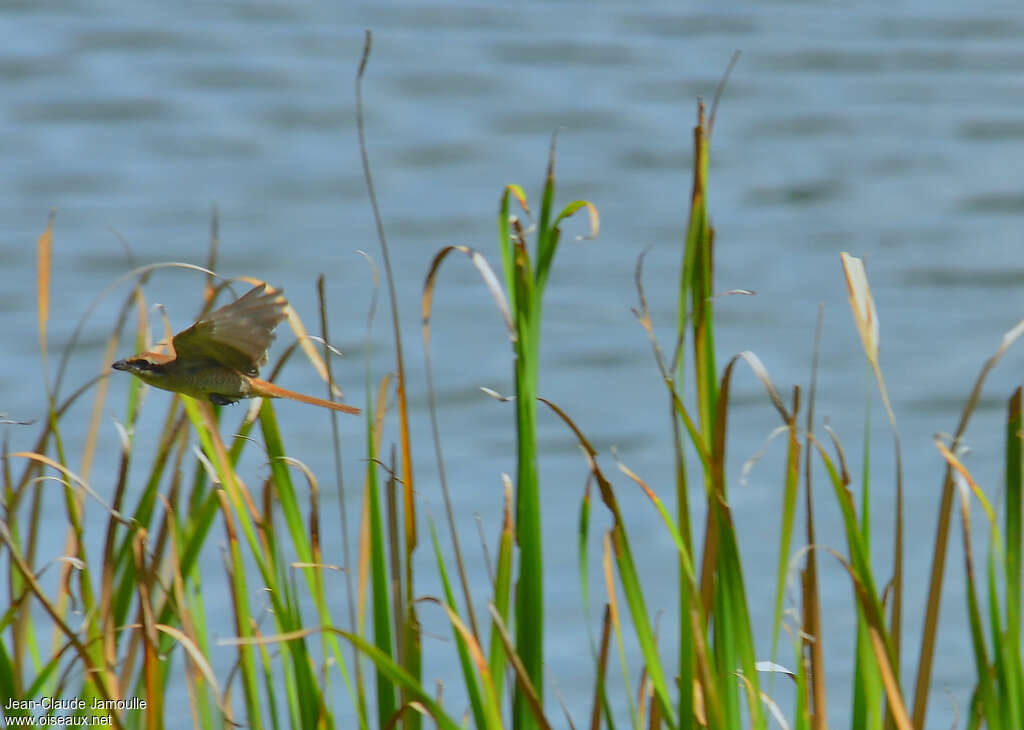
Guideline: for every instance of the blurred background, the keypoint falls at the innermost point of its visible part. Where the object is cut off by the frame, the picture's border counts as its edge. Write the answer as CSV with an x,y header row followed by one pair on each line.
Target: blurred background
x,y
894,132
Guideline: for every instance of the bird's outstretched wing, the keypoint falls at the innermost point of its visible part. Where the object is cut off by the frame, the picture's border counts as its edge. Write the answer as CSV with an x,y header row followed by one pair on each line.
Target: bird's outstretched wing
x,y
238,334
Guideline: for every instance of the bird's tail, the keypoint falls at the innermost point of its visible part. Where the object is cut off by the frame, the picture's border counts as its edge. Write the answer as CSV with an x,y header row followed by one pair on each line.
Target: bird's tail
x,y
269,390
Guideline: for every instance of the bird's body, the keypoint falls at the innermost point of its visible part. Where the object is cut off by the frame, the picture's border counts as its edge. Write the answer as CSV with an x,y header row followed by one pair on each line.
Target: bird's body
x,y
218,358
204,379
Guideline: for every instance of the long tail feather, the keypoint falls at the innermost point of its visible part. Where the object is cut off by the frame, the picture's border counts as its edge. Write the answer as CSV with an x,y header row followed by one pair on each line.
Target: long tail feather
x,y
269,390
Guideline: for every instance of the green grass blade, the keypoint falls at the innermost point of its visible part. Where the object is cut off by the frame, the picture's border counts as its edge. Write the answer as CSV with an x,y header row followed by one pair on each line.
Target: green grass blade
x,y
242,616
986,691
399,676
1013,528
502,589
628,576
381,597
469,679
788,514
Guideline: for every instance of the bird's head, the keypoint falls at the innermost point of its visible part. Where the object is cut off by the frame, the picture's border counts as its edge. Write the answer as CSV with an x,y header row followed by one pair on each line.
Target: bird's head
x,y
148,367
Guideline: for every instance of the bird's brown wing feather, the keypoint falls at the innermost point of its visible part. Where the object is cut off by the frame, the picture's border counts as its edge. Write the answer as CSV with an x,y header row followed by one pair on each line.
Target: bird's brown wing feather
x,y
238,334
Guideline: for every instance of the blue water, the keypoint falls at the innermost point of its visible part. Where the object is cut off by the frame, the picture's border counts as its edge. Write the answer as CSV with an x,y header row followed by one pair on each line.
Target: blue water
x,y
895,133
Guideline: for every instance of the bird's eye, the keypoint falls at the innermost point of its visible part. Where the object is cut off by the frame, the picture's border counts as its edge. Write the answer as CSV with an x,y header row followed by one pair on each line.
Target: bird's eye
x,y
143,364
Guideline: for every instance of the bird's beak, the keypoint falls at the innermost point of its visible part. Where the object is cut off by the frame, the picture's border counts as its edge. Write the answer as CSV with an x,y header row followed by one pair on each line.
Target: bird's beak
x,y
120,365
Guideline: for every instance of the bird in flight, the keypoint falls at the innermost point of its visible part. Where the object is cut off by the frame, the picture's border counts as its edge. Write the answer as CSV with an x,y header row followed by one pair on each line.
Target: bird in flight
x,y
218,358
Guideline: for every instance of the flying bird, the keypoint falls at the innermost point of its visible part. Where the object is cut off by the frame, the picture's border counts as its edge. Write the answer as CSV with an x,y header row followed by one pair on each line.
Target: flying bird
x,y
219,357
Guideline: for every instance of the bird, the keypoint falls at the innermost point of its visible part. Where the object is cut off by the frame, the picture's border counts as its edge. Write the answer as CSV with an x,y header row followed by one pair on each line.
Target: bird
x,y
218,358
